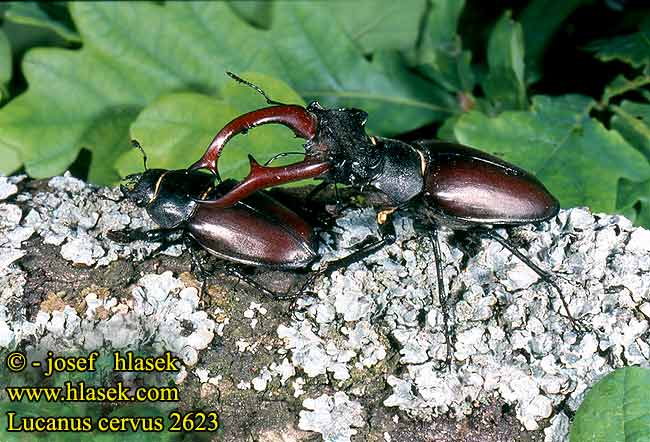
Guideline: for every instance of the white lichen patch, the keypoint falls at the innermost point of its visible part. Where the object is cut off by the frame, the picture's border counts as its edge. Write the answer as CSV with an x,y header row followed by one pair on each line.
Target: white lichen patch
x,y
511,334
260,382
335,417
162,315
77,216
8,186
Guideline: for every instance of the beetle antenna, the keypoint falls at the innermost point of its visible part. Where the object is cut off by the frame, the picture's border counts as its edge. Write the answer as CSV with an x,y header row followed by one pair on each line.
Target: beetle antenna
x,y
238,79
137,145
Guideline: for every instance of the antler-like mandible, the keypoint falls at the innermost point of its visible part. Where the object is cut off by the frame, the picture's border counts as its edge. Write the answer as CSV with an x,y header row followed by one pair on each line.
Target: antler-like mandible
x,y
295,117
262,177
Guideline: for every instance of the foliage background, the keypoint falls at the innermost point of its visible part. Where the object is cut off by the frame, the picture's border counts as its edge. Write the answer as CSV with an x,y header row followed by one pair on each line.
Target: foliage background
x,y
558,87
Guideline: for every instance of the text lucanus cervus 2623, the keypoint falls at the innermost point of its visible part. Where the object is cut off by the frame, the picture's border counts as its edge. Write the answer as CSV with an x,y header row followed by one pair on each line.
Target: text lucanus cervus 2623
x,y
441,184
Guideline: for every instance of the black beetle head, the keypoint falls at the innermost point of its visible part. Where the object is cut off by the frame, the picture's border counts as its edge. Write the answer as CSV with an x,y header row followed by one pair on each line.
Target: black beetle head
x,y
141,188
341,138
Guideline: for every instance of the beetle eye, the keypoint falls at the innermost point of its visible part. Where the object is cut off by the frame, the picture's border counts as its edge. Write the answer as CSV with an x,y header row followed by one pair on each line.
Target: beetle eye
x,y
361,116
314,105
130,183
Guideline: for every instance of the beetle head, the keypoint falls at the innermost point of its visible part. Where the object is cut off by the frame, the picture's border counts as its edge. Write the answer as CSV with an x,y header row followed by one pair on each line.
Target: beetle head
x,y
141,188
341,139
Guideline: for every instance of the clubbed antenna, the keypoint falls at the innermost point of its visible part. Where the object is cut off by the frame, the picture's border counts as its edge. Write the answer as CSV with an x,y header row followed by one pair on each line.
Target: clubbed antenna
x,y
238,79
137,145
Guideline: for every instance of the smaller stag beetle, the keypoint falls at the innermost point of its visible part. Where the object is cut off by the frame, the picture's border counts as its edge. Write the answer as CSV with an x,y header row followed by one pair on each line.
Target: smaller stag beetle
x,y
256,231
441,184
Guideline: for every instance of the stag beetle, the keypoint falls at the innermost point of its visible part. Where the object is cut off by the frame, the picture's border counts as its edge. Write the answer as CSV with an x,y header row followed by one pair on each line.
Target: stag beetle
x,y
257,230
441,184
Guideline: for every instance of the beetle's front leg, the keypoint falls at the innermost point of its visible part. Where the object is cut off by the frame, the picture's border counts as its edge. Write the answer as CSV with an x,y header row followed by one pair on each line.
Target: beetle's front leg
x,y
387,237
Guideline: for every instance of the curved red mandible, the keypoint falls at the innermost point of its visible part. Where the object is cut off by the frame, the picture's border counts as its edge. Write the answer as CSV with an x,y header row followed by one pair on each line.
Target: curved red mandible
x,y
262,177
295,117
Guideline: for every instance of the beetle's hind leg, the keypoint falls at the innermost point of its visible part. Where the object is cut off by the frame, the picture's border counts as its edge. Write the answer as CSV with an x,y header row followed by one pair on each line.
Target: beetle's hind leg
x,y
443,298
544,275
236,271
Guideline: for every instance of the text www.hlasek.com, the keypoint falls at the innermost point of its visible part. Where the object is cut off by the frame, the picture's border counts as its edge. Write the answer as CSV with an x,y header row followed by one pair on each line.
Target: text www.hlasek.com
x,y
81,392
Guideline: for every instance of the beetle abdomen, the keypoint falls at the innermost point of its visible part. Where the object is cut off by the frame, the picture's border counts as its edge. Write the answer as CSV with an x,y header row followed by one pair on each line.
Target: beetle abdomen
x,y
257,231
468,184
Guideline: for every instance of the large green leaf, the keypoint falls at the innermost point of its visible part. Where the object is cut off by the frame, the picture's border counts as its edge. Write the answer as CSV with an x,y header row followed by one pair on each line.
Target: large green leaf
x,y
633,49
505,84
134,52
616,409
5,65
381,24
176,128
29,13
576,157
440,54
331,70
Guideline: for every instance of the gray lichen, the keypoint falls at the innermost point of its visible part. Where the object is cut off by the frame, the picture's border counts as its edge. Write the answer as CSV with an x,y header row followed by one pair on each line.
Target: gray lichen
x,y
333,416
77,216
156,317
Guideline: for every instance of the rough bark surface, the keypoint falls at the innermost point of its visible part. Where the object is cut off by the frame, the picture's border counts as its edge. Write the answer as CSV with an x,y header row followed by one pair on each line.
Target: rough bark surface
x,y
361,355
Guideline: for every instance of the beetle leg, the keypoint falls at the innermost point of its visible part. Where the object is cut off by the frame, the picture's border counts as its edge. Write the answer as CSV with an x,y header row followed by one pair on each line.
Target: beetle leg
x,y
262,177
545,276
387,233
443,299
295,117
316,190
268,293
165,236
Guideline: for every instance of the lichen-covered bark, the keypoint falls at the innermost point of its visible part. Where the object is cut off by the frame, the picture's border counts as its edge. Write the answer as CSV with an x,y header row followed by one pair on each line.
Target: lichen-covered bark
x,y
361,356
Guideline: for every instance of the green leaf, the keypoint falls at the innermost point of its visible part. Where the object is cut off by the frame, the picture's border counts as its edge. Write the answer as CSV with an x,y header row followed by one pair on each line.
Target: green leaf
x,y
441,55
616,409
505,83
630,195
633,49
380,24
10,160
574,155
255,12
332,71
29,13
176,129
5,65
632,120
107,139
621,85
134,52
540,20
